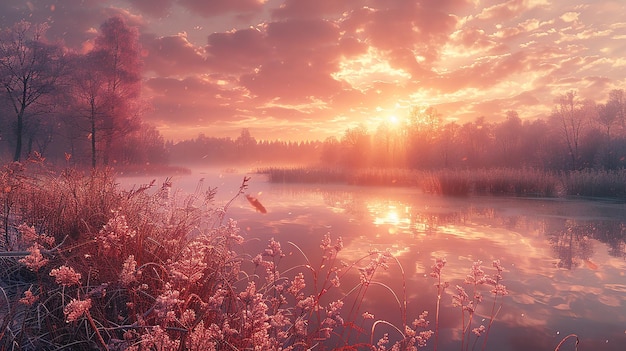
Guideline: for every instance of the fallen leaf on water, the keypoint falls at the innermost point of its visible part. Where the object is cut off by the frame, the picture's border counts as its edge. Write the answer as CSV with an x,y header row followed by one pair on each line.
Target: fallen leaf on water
x,y
256,204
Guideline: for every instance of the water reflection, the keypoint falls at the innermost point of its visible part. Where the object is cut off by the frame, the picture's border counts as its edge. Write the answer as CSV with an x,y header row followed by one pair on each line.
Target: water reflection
x,y
564,259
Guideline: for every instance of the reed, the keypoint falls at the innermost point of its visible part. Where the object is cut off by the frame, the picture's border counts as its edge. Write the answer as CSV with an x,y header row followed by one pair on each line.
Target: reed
x,y
596,183
493,182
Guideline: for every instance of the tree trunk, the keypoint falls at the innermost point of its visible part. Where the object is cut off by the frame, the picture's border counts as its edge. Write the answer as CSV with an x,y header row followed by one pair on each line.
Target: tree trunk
x,y
93,136
19,131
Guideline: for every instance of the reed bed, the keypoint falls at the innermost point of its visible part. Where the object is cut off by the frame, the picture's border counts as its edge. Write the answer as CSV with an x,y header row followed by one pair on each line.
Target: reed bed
x,y
493,182
596,183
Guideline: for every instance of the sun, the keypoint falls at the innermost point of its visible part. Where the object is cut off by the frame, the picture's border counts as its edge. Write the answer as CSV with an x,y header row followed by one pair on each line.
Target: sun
x,y
393,120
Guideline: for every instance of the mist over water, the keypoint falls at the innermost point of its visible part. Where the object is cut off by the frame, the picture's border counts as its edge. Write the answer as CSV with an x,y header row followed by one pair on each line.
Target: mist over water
x,y
564,260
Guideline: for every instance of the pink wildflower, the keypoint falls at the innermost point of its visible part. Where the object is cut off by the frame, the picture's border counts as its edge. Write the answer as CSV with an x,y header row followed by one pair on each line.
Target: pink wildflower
x,y
421,321
273,249
500,289
382,342
190,268
297,284
436,269
330,251
35,260
129,271
29,299
332,313
301,326
460,297
65,276
166,302
380,260
479,331
423,337
202,338
115,232
325,242
306,304
188,317
233,231
367,315
477,275
157,339
75,309
27,233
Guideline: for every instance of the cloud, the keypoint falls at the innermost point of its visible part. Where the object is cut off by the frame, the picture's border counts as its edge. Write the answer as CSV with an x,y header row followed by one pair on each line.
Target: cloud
x,y
156,8
237,51
313,9
282,61
570,16
173,55
218,7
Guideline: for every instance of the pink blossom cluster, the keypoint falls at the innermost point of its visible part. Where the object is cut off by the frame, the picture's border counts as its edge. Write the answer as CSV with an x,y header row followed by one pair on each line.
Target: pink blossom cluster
x,y
115,233
379,259
66,276
190,267
129,271
167,302
28,236
330,250
75,309
29,298
34,260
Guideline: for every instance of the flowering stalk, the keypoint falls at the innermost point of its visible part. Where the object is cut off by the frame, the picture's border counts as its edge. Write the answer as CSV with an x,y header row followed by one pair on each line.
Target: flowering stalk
x,y
436,273
498,289
95,329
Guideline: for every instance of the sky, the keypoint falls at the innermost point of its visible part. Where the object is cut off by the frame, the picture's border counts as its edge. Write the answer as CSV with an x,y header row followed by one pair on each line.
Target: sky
x,y
309,69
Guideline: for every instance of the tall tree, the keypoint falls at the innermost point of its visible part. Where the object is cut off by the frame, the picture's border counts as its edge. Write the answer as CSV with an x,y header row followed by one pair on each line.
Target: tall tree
x,y
507,136
29,70
572,119
120,53
424,125
357,146
91,98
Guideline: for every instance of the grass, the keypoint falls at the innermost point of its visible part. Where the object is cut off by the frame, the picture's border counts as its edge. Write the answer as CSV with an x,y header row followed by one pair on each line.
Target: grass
x,y
86,265
496,182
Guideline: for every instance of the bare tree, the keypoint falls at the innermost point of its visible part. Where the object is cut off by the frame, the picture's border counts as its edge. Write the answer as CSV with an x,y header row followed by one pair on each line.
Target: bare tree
x,y
29,69
573,118
91,98
609,117
424,125
356,143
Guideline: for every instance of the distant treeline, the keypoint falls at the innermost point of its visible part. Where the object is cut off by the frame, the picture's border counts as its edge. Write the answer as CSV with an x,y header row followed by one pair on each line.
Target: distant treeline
x,y
577,135
245,149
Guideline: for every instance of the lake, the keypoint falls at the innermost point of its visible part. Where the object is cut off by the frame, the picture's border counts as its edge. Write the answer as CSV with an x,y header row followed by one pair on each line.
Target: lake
x,y
564,260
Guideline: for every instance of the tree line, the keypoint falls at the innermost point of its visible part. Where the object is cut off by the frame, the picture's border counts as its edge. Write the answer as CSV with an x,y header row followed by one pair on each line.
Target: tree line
x,y
81,107
244,150
578,134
